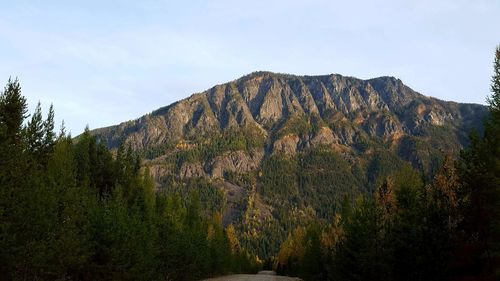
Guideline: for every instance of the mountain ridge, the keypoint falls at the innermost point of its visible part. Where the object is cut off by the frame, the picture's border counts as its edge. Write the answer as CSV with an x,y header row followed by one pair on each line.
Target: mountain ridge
x,y
270,152
220,106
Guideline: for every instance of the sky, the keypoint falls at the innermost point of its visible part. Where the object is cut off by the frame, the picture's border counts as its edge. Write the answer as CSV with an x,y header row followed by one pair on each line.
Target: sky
x,y
104,62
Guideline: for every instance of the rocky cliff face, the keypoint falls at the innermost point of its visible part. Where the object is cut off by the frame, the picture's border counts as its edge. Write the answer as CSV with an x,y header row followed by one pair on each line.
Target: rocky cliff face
x,y
273,151
292,113
344,107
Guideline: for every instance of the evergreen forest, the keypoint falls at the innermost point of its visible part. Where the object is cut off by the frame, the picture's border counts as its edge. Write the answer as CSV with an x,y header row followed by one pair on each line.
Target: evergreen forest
x,y
71,209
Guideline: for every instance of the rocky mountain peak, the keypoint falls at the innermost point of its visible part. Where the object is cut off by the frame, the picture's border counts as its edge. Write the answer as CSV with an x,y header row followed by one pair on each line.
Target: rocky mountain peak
x,y
269,139
287,113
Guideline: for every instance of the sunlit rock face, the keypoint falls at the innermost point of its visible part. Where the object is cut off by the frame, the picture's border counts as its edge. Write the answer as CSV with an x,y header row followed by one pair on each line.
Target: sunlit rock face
x,y
291,113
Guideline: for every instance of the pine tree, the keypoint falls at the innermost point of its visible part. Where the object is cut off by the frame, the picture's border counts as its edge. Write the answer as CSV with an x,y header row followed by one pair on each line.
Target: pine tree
x,y
442,193
440,217
72,245
48,130
13,109
234,243
34,137
73,212
312,265
494,99
219,247
362,251
385,199
479,169
83,161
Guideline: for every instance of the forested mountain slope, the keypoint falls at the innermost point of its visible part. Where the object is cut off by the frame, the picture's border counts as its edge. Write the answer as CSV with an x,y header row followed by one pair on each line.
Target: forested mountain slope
x,y
275,151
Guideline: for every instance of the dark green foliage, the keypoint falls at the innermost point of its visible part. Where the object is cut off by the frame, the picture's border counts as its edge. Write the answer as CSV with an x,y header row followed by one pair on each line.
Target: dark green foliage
x,y
13,109
49,135
264,238
309,186
156,151
211,146
246,180
445,230
35,132
75,212
370,244
363,253
302,254
279,185
325,180
297,125
313,267
381,165
479,169
401,233
211,197
279,179
96,168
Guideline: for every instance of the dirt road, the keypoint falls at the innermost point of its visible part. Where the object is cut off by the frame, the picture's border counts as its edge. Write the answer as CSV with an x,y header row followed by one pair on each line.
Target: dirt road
x,y
261,276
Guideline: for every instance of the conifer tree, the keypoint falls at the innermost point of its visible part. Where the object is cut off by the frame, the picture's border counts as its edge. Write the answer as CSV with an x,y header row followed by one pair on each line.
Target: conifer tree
x,y
313,267
479,169
494,99
72,245
35,135
48,129
13,109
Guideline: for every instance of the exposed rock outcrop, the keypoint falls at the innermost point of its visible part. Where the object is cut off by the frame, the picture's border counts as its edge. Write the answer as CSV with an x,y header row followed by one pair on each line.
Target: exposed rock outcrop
x,y
287,145
324,136
192,170
235,161
333,110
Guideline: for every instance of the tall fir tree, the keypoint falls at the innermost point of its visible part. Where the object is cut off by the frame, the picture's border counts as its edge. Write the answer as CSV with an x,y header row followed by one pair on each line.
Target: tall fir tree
x,y
48,130
479,170
13,109
35,134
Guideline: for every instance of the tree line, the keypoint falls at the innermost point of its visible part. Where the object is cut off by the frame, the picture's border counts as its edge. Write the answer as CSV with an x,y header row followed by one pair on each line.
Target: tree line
x,y
73,210
447,229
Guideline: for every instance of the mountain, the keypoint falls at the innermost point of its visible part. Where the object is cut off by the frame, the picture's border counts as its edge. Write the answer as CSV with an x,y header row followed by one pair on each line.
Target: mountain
x,y
272,151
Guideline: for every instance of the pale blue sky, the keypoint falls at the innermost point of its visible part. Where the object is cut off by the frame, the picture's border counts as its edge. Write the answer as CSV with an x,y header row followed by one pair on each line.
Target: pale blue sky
x,y
104,62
